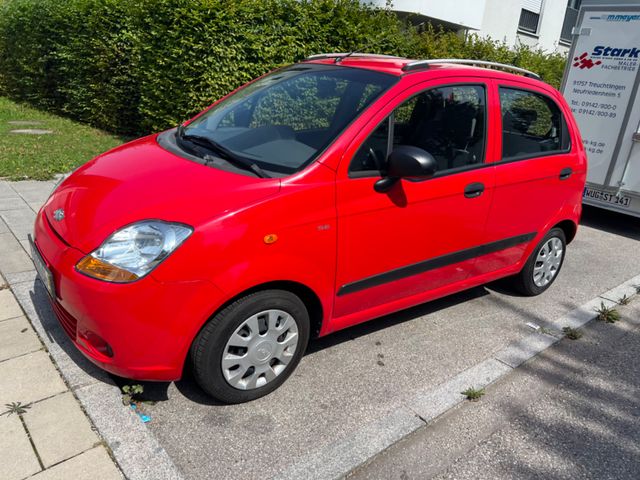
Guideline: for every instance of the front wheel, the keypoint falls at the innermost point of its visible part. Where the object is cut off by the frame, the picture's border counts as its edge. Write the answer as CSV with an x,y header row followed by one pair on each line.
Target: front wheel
x,y
250,348
543,265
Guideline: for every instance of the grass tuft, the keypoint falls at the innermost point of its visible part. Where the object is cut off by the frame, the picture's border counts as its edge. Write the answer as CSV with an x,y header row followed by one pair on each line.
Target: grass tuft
x,y
572,333
607,314
545,331
17,408
473,394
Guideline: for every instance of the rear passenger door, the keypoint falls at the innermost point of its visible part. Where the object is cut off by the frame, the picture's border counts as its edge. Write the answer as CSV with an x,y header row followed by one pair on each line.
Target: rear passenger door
x,y
535,172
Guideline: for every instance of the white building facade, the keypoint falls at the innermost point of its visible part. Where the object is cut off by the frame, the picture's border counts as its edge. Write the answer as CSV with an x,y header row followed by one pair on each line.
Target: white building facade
x,y
544,24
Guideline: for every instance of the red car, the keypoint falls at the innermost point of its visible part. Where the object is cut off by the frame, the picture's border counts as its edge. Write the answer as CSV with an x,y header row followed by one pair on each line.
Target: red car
x,y
316,197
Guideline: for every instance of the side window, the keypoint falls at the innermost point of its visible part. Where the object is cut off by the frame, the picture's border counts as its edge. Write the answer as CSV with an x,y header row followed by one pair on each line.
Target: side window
x,y
532,125
372,154
448,122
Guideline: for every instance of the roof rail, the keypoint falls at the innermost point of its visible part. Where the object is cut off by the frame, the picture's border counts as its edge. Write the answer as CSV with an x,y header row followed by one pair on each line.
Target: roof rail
x,y
320,56
418,64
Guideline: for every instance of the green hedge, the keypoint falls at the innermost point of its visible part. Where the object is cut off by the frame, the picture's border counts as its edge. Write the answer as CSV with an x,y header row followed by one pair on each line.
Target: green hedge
x,y
135,66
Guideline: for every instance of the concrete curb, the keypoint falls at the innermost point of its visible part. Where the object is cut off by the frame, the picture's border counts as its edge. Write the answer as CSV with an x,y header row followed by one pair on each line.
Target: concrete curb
x,y
343,456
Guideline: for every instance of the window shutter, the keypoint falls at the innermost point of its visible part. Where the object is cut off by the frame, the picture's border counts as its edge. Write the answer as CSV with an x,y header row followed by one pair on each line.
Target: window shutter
x,y
534,6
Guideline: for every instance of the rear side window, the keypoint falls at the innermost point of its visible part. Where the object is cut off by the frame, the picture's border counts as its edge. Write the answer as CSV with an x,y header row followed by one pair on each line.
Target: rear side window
x,y
448,122
532,125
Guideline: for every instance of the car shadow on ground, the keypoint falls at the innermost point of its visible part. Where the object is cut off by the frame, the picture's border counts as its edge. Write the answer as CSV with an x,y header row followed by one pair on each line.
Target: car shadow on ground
x,y
158,391
611,222
396,318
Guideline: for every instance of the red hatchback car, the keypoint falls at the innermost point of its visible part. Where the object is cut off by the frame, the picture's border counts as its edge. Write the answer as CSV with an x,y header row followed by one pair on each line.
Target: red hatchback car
x,y
316,197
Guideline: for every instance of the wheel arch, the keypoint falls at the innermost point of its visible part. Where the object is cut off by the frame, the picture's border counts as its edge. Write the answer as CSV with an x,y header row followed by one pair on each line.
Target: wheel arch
x,y
569,228
309,297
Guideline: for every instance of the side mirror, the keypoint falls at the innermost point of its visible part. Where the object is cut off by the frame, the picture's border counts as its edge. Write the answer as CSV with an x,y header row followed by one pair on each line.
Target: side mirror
x,y
406,161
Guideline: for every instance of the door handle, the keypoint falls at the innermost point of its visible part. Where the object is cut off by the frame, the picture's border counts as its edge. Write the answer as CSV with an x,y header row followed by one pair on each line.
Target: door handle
x,y
474,190
565,173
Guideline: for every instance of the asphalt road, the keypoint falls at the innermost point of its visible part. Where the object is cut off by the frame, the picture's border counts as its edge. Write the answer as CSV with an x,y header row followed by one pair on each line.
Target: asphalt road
x,y
356,376
572,412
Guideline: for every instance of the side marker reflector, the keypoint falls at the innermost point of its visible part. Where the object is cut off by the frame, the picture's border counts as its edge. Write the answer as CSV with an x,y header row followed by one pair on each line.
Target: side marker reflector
x,y
271,238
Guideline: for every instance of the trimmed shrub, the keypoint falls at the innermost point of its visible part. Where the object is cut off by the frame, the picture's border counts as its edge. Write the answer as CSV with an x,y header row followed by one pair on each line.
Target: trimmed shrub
x,y
435,43
78,57
136,66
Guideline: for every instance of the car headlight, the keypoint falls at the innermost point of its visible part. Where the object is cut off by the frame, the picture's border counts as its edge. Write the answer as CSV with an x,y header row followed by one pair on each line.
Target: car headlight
x,y
133,251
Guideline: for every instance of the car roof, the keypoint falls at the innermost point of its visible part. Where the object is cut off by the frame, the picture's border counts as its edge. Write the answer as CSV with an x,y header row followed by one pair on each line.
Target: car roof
x,y
403,66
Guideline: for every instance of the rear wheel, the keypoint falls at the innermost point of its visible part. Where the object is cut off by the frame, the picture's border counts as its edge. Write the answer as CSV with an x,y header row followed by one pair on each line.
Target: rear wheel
x,y
250,348
543,265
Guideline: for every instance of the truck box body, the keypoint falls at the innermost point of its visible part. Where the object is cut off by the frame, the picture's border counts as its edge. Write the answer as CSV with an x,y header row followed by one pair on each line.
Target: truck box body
x,y
601,86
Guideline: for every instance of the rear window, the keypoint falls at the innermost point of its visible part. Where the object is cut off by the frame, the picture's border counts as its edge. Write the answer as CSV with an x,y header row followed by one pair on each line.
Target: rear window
x,y
532,125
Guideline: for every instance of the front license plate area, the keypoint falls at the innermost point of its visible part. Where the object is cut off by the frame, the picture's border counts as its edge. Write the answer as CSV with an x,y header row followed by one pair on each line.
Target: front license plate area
x,y
43,271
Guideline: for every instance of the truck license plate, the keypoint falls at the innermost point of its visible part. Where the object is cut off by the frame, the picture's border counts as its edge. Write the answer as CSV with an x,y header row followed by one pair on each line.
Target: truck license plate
x,y
607,197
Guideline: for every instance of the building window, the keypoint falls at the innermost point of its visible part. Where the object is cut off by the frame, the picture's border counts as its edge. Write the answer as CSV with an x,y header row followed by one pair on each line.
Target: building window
x,y
528,21
570,20
530,16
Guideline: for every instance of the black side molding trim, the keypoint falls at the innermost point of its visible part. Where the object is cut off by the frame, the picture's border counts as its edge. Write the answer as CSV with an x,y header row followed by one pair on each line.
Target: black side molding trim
x,y
433,263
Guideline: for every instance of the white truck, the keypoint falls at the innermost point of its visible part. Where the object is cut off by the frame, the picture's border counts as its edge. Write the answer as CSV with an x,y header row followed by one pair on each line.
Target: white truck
x,y
601,86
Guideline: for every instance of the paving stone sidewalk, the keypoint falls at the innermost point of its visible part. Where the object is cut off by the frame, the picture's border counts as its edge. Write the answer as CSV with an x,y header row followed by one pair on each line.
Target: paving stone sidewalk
x,y
46,435
49,436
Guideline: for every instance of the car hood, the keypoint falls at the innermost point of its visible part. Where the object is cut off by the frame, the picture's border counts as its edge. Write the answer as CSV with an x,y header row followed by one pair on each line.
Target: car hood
x,y
141,180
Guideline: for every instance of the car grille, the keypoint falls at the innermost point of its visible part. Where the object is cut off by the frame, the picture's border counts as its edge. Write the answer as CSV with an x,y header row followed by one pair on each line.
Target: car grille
x,y
69,324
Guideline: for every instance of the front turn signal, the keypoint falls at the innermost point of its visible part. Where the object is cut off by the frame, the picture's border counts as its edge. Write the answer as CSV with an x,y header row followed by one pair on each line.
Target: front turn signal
x,y
96,268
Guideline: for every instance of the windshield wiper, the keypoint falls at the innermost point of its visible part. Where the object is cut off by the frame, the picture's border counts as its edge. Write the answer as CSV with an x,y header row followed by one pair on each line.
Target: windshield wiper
x,y
222,152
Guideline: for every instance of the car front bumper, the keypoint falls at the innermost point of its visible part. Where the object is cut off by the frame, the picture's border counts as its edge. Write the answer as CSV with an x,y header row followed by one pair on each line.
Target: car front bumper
x,y
140,330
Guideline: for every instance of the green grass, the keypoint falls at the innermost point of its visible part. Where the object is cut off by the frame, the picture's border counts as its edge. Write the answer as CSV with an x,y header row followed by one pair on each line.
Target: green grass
x,y
473,394
607,314
572,333
39,157
624,300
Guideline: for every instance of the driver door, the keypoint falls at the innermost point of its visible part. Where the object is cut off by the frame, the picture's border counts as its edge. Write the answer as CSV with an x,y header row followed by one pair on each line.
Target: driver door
x,y
401,247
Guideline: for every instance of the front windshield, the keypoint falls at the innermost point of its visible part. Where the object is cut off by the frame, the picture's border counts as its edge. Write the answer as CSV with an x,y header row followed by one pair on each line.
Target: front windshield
x,y
282,121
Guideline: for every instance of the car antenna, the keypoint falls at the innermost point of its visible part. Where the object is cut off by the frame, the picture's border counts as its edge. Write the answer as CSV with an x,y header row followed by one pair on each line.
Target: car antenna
x,y
342,57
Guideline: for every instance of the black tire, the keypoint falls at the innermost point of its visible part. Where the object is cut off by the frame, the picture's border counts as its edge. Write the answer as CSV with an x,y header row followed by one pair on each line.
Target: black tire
x,y
208,347
523,282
